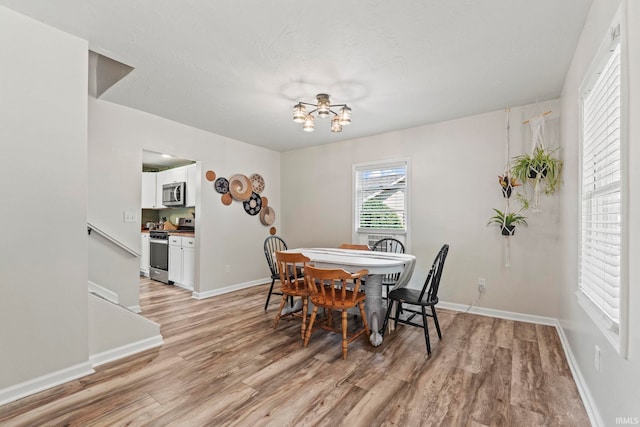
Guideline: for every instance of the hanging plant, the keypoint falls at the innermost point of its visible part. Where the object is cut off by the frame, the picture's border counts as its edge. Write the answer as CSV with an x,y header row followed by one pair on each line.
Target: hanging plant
x,y
507,222
541,166
507,183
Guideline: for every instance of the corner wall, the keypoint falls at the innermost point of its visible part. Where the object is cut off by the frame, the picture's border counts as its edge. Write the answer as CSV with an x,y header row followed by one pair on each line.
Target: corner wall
x,y
225,235
453,186
614,390
43,307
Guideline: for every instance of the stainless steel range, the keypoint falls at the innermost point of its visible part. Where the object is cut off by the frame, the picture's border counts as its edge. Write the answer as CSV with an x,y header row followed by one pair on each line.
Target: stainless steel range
x,y
159,249
159,256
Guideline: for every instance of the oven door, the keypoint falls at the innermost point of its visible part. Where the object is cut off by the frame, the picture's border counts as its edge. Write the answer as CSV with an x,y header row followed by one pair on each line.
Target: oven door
x,y
159,254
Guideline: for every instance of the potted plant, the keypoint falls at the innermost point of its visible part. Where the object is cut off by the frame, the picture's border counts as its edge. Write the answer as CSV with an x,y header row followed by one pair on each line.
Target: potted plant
x,y
542,165
507,183
507,222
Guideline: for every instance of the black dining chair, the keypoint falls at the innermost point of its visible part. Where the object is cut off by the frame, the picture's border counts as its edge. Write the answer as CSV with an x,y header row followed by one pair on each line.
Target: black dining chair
x,y
427,297
273,244
389,244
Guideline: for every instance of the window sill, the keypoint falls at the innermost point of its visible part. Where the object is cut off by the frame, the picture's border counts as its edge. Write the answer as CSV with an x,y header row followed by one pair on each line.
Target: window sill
x,y
381,231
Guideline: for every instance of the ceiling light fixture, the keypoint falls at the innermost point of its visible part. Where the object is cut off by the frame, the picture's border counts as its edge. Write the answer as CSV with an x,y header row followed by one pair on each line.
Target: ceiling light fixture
x,y
323,109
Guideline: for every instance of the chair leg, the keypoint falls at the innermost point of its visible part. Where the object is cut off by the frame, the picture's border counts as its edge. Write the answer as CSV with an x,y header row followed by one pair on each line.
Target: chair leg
x,y
426,331
344,334
398,313
364,318
305,305
307,334
386,318
435,320
269,294
283,301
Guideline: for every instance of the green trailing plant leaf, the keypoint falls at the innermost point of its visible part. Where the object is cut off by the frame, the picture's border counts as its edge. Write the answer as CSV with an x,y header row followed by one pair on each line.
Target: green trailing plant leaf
x,y
507,221
542,166
523,200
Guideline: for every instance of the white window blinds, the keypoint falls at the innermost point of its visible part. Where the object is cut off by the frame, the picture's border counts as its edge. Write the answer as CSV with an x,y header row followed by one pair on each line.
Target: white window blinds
x,y
381,196
601,192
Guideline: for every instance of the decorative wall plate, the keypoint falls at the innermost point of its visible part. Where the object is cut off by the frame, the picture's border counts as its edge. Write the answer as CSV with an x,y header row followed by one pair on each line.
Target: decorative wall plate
x,y
221,185
210,175
253,205
226,199
267,215
240,187
257,182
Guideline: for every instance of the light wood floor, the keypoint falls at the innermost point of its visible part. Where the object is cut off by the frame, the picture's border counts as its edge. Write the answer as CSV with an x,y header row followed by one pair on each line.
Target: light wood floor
x,y
223,364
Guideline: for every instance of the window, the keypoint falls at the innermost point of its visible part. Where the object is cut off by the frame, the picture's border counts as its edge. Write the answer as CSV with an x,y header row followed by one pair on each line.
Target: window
x,y
380,197
601,221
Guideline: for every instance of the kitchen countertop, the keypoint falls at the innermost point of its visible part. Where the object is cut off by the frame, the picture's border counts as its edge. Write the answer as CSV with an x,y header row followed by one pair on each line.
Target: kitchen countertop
x,y
172,232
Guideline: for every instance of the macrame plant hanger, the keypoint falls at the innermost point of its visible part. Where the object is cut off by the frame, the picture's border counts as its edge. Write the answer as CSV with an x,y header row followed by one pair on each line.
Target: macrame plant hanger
x,y
507,177
538,137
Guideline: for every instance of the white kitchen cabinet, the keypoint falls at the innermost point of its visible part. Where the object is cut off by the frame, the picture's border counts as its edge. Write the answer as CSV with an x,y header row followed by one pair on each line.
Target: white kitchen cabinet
x,y
144,258
149,190
167,177
182,261
188,265
191,185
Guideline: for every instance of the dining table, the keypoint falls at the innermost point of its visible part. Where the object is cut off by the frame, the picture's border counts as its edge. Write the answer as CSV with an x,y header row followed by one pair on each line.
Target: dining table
x,y
378,265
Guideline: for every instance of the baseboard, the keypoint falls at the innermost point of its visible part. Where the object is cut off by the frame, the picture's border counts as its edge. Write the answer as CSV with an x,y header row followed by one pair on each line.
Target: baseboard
x,y
227,289
581,383
126,350
509,315
103,292
583,390
27,388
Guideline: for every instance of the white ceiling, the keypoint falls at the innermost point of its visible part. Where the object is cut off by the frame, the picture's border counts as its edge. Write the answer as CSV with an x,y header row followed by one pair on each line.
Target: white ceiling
x,y
236,68
158,161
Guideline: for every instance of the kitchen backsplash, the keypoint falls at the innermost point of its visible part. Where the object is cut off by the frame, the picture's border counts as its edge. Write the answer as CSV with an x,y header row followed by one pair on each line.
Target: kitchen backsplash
x,y
153,215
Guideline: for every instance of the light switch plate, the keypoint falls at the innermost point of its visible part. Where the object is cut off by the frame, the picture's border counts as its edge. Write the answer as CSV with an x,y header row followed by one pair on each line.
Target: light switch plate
x,y
129,216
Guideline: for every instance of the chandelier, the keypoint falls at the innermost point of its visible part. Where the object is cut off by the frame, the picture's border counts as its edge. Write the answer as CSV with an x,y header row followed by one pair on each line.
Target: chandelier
x,y
323,109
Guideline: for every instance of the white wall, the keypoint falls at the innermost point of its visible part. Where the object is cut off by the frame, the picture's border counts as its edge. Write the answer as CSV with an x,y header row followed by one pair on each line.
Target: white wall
x,y
108,321
225,235
614,390
453,188
114,269
43,104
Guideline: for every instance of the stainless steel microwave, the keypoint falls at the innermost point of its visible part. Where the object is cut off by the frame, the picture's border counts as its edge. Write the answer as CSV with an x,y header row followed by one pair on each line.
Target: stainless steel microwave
x,y
173,194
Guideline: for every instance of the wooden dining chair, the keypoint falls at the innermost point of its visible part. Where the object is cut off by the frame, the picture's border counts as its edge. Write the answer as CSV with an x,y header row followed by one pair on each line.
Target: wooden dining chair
x,y
329,290
354,247
291,266
389,245
271,245
425,297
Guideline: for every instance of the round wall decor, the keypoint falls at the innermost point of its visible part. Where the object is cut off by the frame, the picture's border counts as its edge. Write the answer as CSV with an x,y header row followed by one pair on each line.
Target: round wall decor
x,y
221,185
267,215
210,175
240,187
253,205
226,199
273,231
257,183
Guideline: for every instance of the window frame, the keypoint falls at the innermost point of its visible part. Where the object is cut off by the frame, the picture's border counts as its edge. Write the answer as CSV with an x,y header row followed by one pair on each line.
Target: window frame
x,y
359,232
616,334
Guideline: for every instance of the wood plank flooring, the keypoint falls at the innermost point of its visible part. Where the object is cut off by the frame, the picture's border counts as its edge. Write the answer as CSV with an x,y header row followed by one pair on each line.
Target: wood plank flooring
x,y
223,364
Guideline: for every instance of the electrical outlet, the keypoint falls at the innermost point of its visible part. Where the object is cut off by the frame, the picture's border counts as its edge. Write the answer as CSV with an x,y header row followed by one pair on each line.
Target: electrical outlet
x,y
227,269
596,359
482,284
